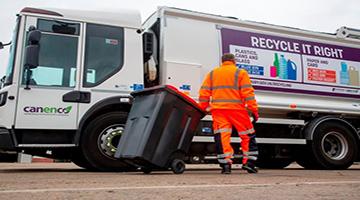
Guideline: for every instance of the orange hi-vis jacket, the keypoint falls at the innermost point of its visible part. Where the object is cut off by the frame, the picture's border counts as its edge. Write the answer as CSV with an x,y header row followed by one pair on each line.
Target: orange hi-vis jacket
x,y
228,87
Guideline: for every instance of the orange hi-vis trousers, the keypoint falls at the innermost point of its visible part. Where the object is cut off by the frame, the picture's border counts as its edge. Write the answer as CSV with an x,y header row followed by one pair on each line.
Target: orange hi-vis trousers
x,y
223,121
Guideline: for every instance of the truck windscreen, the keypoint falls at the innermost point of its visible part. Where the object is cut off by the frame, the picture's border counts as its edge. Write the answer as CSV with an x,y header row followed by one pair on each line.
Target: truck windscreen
x,y
11,63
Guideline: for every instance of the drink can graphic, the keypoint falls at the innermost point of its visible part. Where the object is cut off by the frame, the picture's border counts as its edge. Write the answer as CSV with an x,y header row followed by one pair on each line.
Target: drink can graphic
x,y
273,71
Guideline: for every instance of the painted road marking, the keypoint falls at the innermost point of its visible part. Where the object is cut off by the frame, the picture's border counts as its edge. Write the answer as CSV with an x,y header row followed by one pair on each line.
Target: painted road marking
x,y
174,187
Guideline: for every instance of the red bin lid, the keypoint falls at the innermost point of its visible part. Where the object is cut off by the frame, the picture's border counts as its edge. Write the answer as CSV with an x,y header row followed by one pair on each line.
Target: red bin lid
x,y
171,89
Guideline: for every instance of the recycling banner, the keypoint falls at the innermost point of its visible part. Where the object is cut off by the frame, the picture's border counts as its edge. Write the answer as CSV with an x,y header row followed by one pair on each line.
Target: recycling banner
x,y
292,65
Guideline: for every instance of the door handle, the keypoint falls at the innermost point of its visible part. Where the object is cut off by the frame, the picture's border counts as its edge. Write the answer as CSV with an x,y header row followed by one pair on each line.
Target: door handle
x,y
77,97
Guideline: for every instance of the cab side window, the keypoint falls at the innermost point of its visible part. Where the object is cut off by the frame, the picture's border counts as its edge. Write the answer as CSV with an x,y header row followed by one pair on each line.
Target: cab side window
x,y
104,53
57,56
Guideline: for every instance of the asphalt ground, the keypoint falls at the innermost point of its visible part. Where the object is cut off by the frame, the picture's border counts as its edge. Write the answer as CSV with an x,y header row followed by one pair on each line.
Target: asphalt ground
x,y
67,181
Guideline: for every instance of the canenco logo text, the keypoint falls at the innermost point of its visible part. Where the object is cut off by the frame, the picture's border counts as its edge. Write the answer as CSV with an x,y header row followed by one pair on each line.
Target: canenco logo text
x,y
47,110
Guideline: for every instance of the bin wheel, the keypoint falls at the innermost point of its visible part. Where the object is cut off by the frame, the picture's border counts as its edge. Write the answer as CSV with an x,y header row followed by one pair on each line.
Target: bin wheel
x,y
178,166
146,170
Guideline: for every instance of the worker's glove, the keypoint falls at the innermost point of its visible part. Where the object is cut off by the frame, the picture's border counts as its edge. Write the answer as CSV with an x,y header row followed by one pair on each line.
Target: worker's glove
x,y
255,116
208,110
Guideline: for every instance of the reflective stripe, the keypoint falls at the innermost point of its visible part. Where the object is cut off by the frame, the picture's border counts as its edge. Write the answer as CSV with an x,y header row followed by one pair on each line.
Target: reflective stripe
x,y
224,161
205,88
223,130
249,153
236,84
219,87
249,98
247,131
250,157
246,86
204,100
227,87
224,87
225,155
226,101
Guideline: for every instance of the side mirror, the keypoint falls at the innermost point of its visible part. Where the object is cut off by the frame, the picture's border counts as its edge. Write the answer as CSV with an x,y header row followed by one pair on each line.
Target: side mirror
x,y
2,81
34,36
31,54
148,45
2,45
32,50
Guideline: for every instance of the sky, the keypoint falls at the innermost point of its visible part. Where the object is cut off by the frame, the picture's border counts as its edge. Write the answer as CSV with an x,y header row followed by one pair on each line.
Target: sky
x,y
315,15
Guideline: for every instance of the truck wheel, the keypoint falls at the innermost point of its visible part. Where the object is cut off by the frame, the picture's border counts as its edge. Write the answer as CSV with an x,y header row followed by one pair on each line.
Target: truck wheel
x,y
79,159
273,156
305,158
100,139
334,146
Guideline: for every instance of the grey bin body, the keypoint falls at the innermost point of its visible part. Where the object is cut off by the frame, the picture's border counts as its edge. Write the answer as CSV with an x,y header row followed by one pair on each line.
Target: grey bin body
x,y
159,128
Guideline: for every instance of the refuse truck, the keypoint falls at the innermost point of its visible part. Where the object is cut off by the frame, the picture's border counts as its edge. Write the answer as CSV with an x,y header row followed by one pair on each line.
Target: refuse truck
x,y
66,92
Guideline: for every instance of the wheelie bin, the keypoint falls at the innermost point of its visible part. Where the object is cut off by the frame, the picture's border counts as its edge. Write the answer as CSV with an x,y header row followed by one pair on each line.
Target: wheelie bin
x,y
159,129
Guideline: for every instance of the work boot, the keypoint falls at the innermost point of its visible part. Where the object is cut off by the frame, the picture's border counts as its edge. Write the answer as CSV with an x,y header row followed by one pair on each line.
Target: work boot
x,y
250,168
225,168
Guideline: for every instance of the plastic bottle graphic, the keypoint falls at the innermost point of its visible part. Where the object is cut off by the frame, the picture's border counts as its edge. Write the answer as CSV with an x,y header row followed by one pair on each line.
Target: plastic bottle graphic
x,y
283,68
276,65
291,70
344,74
353,76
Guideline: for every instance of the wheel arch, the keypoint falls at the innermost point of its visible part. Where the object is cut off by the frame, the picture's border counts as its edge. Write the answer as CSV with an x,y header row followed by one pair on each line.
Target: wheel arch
x,y
313,125
106,105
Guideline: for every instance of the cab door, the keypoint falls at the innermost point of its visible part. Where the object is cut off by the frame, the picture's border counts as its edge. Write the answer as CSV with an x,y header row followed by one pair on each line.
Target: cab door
x,y
9,88
52,99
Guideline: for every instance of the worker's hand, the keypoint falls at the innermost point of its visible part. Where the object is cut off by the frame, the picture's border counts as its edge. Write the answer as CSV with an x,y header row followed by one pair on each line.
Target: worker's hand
x,y
255,116
208,110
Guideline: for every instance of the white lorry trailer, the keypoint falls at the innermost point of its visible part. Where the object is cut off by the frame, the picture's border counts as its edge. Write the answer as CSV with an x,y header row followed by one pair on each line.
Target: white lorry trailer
x,y
66,93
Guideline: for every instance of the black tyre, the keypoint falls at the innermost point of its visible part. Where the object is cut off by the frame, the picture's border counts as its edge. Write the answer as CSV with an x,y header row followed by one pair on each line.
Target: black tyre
x,y
79,159
146,170
8,156
334,146
178,166
273,156
276,163
305,158
100,139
